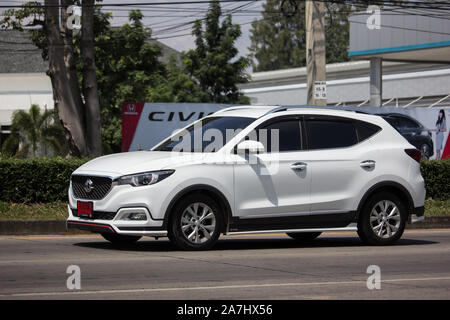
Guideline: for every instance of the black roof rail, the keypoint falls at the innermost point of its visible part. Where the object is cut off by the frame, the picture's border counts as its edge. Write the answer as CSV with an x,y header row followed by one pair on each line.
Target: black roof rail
x,y
285,108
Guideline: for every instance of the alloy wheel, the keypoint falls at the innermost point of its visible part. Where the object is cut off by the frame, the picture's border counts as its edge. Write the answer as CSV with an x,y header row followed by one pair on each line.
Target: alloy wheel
x,y
385,219
198,223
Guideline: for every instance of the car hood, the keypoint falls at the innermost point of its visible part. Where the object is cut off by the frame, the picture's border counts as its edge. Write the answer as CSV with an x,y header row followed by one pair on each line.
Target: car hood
x,y
120,164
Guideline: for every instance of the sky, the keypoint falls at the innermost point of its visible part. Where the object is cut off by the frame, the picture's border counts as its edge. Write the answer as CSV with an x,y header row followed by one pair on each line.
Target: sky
x,y
172,24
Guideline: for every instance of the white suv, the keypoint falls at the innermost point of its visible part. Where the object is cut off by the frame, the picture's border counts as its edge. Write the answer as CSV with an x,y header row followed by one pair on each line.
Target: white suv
x,y
252,169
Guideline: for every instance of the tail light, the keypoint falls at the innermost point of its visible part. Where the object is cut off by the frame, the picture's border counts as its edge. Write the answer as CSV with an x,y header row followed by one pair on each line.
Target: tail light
x,y
414,153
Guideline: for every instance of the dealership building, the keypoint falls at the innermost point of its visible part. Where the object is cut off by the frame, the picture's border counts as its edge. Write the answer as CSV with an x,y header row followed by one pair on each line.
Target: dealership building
x,y
405,84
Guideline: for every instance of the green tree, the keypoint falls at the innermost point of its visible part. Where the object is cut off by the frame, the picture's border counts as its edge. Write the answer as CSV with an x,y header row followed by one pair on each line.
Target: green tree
x,y
278,39
77,104
128,69
177,86
214,64
337,31
34,131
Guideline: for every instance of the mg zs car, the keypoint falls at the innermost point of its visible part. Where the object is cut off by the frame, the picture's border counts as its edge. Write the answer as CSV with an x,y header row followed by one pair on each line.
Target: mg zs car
x,y
302,171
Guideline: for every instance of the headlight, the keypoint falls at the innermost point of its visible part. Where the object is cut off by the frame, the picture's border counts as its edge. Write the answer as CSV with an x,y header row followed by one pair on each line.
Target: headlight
x,y
144,178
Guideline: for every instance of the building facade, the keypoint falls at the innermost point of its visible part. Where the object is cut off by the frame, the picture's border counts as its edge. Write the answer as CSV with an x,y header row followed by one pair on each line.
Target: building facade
x,y
404,85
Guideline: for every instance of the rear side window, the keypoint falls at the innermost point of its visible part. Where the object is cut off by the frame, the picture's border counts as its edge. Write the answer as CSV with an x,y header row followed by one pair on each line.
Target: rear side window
x,y
365,130
288,132
330,134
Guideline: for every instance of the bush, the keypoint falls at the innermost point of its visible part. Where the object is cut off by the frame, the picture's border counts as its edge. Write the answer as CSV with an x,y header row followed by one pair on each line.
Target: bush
x,y
36,180
437,178
47,179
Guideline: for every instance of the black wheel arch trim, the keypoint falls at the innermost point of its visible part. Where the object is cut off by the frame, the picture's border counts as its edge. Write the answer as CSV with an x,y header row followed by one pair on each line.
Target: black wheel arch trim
x,y
387,184
199,188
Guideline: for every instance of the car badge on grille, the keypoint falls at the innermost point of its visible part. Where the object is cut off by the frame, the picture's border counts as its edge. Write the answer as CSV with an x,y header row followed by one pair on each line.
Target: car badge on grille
x,y
88,186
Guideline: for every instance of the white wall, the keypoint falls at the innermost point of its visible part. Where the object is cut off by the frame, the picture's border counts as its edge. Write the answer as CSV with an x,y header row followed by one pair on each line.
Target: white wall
x,y
401,85
20,90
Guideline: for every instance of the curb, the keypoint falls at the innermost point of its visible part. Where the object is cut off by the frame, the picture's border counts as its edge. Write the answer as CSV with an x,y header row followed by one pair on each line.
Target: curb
x,y
34,227
431,223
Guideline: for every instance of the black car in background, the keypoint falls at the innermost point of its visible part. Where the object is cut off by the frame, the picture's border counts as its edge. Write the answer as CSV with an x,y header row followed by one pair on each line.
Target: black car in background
x,y
413,131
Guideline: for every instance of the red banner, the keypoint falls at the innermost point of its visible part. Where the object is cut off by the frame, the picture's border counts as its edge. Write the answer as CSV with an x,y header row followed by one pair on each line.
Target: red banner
x,y
131,113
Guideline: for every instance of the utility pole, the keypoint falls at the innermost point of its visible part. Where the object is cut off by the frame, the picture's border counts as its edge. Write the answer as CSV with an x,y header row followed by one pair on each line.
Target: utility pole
x,y
315,53
376,82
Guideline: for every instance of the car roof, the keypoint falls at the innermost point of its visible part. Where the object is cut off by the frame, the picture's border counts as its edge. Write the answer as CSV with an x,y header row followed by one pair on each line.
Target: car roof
x,y
260,111
244,111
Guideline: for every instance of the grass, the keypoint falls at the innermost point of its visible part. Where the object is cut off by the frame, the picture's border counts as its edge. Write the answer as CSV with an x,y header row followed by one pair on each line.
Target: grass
x,y
37,211
58,210
434,208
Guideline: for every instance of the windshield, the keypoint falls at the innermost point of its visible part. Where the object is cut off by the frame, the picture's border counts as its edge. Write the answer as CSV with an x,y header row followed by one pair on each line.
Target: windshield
x,y
207,135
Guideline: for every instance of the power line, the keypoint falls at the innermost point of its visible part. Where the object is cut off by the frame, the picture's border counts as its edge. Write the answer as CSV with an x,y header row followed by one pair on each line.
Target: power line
x,y
175,28
127,4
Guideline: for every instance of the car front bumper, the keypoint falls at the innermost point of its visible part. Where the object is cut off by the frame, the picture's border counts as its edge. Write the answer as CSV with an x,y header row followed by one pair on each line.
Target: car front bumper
x,y
149,227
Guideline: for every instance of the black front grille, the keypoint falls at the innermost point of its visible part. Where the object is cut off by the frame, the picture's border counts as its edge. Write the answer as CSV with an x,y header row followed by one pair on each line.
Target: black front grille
x,y
101,187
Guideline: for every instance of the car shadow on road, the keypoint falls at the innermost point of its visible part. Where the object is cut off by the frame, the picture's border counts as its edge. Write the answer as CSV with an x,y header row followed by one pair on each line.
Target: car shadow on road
x,y
247,244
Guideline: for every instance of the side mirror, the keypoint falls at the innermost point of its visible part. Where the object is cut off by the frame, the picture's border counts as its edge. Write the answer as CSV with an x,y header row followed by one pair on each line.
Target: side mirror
x,y
250,146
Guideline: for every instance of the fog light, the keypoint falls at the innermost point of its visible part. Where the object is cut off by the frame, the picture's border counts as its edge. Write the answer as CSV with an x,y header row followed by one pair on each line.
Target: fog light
x,y
137,216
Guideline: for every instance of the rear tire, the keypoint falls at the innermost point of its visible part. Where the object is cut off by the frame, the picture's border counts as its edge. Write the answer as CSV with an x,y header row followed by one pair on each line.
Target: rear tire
x,y
195,223
304,236
382,220
119,238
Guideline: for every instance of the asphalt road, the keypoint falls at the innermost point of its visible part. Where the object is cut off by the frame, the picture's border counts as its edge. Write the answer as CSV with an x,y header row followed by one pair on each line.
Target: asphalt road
x,y
240,267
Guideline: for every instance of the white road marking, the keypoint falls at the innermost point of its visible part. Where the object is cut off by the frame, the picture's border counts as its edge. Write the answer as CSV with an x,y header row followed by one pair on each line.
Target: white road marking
x,y
266,285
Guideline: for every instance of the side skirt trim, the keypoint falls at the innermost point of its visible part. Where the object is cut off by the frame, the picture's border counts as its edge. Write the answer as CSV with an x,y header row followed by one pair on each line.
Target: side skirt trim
x,y
351,227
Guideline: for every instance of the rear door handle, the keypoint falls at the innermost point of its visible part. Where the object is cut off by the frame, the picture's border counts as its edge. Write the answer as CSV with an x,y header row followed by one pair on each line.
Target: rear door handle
x,y
299,166
367,164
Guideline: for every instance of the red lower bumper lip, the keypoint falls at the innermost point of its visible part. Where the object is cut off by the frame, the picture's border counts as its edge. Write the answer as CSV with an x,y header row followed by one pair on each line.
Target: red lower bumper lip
x,y
89,226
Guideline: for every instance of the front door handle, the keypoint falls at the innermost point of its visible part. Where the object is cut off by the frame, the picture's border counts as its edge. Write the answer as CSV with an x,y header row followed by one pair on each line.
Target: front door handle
x,y
299,166
369,164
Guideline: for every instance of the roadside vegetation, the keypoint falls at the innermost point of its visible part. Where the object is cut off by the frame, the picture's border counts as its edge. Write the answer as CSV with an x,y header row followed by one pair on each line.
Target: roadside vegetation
x,y
434,208
36,211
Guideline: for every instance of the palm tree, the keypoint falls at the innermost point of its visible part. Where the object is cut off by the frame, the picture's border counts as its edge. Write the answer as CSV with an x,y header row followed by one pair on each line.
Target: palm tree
x,y
34,130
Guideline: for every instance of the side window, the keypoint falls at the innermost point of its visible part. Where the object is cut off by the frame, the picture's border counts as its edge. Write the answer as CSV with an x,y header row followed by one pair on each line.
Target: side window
x,y
330,134
365,130
283,135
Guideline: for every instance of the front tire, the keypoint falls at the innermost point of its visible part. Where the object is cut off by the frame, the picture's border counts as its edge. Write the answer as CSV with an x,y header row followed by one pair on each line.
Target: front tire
x,y
119,238
382,220
195,223
304,236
